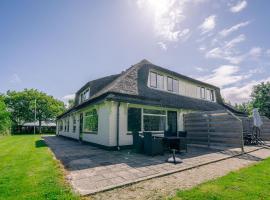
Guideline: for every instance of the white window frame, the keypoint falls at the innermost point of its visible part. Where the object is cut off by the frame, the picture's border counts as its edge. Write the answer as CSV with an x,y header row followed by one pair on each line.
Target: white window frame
x,y
83,96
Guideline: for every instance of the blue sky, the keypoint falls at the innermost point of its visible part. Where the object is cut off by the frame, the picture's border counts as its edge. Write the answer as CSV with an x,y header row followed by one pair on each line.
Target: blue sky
x,y
57,46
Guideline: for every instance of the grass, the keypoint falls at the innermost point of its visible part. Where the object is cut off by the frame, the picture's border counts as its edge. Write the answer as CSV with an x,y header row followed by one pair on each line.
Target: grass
x,y
29,171
249,183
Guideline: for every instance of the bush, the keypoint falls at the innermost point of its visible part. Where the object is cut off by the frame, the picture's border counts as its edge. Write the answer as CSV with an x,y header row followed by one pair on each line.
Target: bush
x,y
4,119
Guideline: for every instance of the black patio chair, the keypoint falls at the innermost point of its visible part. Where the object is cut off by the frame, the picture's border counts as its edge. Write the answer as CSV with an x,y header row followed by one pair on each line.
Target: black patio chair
x,y
183,140
152,145
137,142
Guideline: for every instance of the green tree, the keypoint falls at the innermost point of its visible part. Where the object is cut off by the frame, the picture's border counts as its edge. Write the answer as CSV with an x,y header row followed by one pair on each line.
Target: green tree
x,y
4,117
261,98
245,107
71,103
22,106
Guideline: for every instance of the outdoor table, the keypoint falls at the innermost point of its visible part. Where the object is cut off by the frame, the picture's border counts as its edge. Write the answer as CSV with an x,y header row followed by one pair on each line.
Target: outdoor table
x,y
171,141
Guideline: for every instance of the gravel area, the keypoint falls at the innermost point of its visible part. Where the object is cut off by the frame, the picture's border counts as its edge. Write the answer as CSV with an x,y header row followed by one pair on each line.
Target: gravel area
x,y
160,188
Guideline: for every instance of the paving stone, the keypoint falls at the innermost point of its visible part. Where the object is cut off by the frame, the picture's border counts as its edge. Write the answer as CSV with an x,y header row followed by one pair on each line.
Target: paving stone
x,y
90,169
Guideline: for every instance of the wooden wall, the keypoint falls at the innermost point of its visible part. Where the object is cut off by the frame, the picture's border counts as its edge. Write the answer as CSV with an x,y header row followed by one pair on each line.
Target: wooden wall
x,y
213,129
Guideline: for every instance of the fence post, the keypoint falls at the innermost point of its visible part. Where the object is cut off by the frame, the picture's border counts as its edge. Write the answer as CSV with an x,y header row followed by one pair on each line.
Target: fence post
x,y
208,131
242,131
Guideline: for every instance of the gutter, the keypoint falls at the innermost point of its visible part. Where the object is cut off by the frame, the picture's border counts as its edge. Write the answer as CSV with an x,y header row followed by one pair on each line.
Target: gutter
x,y
117,126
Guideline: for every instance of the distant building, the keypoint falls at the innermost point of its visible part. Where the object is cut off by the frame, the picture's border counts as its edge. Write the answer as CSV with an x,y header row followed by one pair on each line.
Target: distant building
x,y
46,127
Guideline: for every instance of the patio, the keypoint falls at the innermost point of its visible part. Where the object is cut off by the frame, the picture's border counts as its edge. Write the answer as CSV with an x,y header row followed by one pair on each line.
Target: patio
x,y
91,170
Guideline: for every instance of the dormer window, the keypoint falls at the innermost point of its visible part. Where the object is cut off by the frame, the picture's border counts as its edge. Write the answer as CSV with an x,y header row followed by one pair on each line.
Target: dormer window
x,y
202,93
172,85
85,95
156,80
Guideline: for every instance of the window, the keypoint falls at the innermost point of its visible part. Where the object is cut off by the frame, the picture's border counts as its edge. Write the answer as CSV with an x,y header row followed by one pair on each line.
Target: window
x,y
202,93
172,85
85,95
154,120
74,124
169,84
160,82
153,79
175,86
212,95
90,121
207,94
67,124
134,119
61,125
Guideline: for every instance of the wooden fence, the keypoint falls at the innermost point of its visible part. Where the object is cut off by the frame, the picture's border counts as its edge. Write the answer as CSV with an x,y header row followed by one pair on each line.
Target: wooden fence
x,y
265,129
214,129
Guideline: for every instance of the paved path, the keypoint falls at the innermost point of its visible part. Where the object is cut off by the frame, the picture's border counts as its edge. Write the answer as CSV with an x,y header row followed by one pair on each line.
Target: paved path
x,y
163,187
92,170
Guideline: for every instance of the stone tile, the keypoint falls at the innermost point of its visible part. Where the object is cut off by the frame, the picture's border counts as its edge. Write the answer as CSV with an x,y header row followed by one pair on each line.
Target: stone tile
x,y
92,169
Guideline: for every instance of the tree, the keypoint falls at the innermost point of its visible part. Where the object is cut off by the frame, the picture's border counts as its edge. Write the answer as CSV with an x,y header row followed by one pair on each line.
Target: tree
x,y
71,103
244,107
261,98
4,117
22,106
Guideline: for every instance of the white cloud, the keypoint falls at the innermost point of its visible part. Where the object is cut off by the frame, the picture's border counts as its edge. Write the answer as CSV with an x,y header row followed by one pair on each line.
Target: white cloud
x,y
227,51
224,75
15,79
208,24
167,15
255,52
162,45
267,52
238,7
68,97
200,69
226,32
239,94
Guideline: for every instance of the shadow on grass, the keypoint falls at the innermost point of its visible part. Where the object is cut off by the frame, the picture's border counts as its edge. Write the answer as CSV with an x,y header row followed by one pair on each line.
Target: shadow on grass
x,y
40,143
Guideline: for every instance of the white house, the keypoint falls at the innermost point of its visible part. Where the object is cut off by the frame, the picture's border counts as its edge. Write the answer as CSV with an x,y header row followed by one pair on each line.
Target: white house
x,y
145,97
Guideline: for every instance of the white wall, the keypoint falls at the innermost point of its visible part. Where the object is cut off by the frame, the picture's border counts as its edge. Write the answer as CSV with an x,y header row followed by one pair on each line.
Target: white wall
x,y
107,120
103,134
71,134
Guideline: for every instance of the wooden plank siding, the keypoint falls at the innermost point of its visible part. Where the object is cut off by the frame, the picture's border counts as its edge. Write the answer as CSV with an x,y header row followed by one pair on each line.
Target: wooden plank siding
x,y
265,129
214,128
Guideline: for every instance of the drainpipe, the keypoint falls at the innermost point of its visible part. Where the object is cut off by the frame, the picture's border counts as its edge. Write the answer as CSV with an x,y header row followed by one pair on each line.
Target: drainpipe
x,y
117,127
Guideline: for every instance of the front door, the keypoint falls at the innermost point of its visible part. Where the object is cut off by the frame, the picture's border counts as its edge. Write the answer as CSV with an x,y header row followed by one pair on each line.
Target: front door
x,y
81,127
172,122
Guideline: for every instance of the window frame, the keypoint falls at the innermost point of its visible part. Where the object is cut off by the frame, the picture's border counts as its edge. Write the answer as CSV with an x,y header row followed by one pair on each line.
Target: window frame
x,y
129,131
84,121
171,78
155,75
74,124
175,90
202,93
154,115
212,95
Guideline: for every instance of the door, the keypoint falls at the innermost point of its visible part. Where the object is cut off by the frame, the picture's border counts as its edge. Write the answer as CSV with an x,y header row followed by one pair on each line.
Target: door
x,y
81,127
172,122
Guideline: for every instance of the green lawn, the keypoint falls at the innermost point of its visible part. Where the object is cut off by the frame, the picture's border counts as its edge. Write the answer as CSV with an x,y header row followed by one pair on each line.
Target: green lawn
x,y
250,183
28,170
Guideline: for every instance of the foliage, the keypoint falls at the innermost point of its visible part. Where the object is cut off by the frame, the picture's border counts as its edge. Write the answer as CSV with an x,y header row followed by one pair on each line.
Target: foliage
x,y
261,98
248,183
71,103
244,107
4,117
29,171
22,106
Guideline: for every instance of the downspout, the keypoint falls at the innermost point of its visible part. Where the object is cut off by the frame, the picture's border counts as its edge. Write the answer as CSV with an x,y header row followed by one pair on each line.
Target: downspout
x,y
117,127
